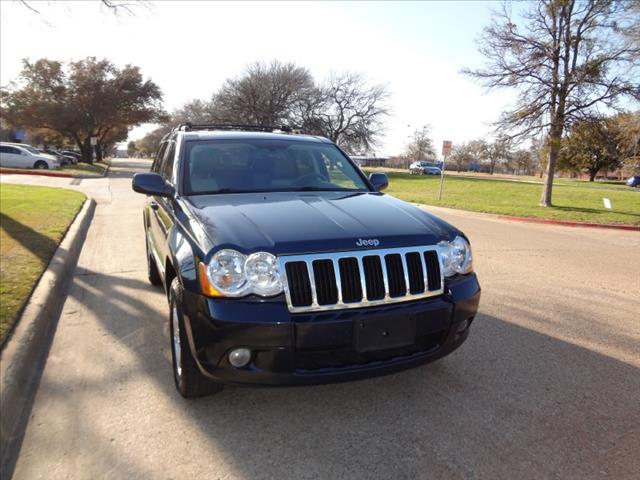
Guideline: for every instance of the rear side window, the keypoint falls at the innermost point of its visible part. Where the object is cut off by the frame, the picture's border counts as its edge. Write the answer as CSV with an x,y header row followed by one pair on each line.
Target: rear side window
x,y
167,165
5,149
155,167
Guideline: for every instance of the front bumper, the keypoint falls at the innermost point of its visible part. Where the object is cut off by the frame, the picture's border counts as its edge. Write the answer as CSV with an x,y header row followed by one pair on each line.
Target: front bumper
x,y
318,347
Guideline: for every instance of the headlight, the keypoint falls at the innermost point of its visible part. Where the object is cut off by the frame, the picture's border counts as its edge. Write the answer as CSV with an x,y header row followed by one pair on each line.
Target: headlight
x,y
456,257
226,272
261,271
232,274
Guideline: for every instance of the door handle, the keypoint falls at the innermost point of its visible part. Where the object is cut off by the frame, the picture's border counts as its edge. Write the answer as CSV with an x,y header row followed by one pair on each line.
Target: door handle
x,y
153,205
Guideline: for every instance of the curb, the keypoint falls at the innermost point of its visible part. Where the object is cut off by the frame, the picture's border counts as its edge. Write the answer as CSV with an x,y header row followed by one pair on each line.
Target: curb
x,y
11,171
570,224
45,173
25,351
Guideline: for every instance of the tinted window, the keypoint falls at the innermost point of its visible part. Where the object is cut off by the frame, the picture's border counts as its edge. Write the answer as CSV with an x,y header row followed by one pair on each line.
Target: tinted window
x,y
5,149
158,160
167,165
267,165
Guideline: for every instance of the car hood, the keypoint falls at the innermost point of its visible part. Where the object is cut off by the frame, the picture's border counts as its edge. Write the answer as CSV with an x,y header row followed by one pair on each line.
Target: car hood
x,y
294,223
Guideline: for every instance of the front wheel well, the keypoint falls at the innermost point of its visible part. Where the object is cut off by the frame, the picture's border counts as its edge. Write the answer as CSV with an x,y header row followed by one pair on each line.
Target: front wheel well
x,y
169,275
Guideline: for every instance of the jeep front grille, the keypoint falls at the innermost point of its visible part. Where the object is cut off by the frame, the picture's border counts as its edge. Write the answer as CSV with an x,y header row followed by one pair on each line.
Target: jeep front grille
x,y
363,278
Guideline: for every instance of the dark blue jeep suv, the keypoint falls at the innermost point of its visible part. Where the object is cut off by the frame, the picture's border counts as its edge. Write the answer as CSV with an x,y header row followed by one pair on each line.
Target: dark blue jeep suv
x,y
285,265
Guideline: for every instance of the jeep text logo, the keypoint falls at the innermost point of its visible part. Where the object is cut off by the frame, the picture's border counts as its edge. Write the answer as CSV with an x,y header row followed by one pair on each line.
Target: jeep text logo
x,y
370,242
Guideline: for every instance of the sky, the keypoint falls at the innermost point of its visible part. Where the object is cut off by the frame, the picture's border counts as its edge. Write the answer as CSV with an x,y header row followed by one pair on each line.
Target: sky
x,y
417,49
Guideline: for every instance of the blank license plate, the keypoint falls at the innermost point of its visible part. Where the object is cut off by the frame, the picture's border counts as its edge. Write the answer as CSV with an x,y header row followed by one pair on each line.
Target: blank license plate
x,y
381,333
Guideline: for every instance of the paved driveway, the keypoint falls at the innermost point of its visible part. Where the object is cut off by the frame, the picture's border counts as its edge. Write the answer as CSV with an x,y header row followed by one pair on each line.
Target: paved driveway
x,y
547,386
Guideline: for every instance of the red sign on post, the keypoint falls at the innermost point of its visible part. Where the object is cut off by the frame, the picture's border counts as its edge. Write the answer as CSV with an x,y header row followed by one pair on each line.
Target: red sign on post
x,y
446,148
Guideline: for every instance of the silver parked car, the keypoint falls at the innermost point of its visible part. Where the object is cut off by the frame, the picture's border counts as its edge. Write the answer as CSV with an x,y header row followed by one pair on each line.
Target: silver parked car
x,y
424,168
15,155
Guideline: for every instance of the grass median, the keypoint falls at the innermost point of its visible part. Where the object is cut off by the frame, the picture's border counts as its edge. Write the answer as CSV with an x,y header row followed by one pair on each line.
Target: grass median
x,y
33,221
573,201
96,169
79,170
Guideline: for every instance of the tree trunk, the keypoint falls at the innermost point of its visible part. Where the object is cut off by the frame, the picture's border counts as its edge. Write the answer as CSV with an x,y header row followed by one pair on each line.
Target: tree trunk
x,y
98,152
87,151
554,149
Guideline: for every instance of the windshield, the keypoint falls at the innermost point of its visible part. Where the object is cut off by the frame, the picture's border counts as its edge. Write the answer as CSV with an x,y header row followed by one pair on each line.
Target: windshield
x,y
267,166
31,149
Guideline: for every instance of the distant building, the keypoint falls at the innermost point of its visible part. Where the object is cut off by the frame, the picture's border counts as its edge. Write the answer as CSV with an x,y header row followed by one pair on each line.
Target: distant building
x,y
369,161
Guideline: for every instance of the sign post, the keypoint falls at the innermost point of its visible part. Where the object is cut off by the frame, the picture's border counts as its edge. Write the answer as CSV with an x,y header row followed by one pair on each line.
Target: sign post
x,y
446,151
94,142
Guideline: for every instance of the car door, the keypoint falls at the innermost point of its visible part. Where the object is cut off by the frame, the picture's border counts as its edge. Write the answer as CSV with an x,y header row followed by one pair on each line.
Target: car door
x,y
162,207
165,213
11,157
154,236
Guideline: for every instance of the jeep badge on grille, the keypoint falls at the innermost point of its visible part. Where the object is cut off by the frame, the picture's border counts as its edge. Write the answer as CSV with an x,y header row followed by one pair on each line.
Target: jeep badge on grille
x,y
367,242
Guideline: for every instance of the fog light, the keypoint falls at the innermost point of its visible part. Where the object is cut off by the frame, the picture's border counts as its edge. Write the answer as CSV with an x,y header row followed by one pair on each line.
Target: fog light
x,y
462,326
240,357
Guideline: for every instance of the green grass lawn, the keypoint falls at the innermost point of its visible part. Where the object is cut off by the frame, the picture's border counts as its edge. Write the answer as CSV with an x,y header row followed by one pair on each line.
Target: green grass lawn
x,y
573,200
97,169
33,221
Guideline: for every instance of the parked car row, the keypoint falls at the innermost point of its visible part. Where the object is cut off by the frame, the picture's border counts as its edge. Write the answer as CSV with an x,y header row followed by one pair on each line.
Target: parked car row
x,y
63,158
20,155
17,155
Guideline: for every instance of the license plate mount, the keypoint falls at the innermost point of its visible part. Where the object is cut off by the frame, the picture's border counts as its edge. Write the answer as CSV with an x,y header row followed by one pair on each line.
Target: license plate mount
x,y
383,332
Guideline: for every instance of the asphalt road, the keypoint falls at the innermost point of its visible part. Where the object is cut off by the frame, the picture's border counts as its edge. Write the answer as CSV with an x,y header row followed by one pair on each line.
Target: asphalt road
x,y
547,386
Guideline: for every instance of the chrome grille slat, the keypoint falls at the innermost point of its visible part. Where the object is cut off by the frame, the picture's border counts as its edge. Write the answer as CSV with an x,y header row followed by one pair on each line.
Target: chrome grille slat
x,y
385,277
424,271
363,280
336,269
405,270
312,280
335,257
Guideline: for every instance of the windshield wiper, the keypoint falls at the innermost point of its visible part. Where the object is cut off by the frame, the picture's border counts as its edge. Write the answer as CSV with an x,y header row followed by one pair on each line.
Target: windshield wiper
x,y
310,188
228,190
307,188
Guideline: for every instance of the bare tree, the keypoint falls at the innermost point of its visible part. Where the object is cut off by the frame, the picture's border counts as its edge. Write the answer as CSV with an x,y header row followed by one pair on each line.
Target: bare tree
x,y
566,58
264,95
462,155
420,146
112,5
347,110
498,151
196,111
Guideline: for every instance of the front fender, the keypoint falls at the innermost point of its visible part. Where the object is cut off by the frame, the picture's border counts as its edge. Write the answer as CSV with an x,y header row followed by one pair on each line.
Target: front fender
x,y
183,255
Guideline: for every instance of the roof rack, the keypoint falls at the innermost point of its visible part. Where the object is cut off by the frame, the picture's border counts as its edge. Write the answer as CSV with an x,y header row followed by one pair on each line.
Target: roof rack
x,y
190,127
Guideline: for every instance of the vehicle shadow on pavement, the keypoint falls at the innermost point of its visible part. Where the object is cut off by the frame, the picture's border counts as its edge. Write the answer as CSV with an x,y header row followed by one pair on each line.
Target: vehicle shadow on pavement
x,y
510,403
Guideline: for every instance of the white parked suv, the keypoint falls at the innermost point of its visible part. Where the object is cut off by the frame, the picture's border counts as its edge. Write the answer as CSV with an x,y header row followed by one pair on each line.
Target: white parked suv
x,y
15,155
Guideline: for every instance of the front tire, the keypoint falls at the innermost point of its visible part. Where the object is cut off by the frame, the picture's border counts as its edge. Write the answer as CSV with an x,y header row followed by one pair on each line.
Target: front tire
x,y
190,382
152,269
41,165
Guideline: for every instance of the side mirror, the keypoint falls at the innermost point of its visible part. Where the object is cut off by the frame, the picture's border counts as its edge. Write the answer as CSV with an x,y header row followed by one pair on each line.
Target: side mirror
x,y
379,181
151,184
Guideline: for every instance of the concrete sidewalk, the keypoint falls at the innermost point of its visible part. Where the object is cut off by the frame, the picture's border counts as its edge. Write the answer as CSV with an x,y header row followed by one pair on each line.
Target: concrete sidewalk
x,y
546,387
